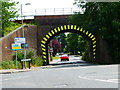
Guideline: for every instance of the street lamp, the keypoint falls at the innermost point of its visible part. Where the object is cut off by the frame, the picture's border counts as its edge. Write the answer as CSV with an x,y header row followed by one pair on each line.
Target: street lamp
x,y
22,16
23,28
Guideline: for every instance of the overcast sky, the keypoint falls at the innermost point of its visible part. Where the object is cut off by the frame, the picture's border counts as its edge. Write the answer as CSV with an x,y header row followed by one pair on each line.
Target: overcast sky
x,y
42,4
48,3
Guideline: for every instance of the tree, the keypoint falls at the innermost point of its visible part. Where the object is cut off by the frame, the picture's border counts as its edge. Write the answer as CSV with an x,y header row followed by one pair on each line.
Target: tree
x,y
72,43
75,44
82,44
56,46
8,13
103,19
61,39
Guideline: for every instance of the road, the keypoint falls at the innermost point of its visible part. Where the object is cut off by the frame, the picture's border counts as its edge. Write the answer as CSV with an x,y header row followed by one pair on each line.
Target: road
x,y
69,75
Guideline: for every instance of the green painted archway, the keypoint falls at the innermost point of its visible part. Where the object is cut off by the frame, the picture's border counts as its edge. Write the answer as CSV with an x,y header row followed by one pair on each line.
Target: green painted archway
x,y
65,28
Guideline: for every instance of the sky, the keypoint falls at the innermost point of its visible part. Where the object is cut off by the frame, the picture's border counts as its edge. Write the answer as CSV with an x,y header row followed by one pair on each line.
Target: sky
x,y
48,3
37,5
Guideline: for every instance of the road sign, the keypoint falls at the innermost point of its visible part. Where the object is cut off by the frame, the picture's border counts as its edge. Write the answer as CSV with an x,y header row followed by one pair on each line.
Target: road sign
x,y
51,49
24,45
19,40
16,46
26,60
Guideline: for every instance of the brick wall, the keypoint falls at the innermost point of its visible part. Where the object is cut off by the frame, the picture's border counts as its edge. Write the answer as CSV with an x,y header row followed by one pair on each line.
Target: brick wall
x,y
52,19
5,42
103,54
42,31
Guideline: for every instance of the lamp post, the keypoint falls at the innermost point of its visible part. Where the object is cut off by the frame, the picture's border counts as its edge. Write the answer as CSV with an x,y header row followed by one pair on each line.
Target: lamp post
x,y
23,33
22,17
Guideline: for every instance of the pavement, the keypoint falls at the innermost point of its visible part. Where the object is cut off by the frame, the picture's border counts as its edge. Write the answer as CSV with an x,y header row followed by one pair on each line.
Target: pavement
x,y
54,62
9,71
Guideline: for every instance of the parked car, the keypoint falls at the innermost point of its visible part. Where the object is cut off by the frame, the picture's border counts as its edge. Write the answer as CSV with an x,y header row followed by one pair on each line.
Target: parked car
x,y
64,57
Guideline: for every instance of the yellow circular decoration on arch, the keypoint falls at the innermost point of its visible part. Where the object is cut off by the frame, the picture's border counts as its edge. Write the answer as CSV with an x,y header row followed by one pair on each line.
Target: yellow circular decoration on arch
x,y
68,27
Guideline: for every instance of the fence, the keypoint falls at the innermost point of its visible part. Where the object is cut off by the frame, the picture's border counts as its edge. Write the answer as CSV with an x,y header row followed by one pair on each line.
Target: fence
x,y
48,11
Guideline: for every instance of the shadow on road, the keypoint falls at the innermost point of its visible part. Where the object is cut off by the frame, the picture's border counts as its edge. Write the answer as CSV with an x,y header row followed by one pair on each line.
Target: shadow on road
x,y
72,64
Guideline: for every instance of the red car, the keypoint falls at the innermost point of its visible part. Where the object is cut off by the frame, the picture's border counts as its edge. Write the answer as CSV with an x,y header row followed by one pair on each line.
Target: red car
x,y
64,58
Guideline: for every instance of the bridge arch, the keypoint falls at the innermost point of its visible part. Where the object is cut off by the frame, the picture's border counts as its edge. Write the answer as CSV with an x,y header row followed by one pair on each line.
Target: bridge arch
x,y
68,28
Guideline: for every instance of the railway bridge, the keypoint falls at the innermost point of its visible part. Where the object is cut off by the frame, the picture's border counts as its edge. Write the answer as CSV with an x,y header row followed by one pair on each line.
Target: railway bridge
x,y
47,27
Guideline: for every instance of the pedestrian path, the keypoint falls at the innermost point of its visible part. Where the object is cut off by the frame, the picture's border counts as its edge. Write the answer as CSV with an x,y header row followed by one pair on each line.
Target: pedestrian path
x,y
8,71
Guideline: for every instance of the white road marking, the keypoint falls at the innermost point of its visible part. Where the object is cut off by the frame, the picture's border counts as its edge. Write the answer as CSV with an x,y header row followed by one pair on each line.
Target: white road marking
x,y
108,80
62,85
84,77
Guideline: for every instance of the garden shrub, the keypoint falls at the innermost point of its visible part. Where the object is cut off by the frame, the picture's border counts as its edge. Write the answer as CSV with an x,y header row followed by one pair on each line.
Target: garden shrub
x,y
30,54
85,56
20,54
7,65
37,61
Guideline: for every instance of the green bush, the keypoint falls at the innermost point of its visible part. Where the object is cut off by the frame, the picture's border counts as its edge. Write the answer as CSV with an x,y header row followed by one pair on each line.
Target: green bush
x,y
7,65
37,61
30,54
20,54
85,56
11,28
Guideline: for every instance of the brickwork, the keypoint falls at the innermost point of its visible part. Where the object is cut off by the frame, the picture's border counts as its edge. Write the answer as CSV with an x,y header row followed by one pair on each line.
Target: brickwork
x,y
30,34
52,20
103,54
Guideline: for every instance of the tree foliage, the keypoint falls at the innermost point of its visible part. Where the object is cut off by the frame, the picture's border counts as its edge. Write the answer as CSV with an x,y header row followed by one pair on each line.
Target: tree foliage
x,y
72,43
75,44
55,45
8,13
61,38
103,19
